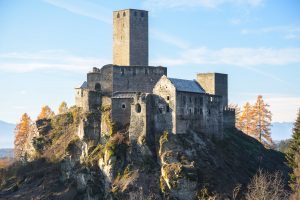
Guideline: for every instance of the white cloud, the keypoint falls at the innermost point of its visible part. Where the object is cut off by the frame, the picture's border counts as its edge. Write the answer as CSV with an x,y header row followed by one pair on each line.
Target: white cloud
x,y
198,3
50,59
234,56
84,8
284,108
288,32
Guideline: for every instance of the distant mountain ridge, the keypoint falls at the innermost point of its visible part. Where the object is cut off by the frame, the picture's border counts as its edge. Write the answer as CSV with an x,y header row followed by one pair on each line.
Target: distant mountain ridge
x,y
6,153
6,134
281,130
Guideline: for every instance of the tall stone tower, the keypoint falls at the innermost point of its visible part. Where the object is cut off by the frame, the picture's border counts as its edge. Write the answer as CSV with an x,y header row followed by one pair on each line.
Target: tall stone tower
x,y
130,37
216,84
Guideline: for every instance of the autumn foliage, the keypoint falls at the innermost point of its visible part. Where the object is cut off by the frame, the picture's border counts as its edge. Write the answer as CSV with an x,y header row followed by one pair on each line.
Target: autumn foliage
x,y
63,108
255,120
46,113
21,131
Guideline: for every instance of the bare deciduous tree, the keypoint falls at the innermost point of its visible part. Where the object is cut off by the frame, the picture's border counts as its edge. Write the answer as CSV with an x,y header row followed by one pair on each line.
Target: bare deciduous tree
x,y
266,186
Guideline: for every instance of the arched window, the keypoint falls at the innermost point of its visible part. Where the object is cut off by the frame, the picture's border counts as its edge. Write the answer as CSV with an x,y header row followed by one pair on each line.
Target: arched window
x,y
98,86
138,108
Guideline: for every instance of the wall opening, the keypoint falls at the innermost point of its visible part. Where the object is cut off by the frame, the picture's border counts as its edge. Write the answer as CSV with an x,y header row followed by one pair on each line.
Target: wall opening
x,y
118,15
124,14
168,98
168,108
138,108
123,106
97,86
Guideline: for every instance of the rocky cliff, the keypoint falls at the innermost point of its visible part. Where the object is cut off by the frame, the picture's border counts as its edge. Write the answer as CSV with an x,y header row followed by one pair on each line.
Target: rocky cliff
x,y
68,157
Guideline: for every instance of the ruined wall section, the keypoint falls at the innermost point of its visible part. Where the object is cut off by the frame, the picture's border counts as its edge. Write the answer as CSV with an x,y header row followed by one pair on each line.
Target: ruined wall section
x,y
88,100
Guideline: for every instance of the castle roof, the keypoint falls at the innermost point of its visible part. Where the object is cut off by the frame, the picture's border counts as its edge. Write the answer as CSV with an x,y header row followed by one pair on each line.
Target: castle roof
x,y
186,85
84,85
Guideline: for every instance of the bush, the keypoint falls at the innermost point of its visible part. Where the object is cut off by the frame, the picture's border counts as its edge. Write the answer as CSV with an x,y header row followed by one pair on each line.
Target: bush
x,y
266,186
115,144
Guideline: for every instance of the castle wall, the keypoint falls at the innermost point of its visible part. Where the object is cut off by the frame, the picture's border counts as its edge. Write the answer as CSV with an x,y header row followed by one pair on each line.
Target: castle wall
x,y
121,110
87,99
213,115
189,113
216,84
136,78
229,118
165,102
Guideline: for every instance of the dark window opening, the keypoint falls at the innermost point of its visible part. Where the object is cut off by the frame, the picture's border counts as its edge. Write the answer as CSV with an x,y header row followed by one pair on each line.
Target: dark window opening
x,y
183,100
123,106
160,110
97,86
201,101
124,14
138,108
118,15
209,111
190,111
190,99
201,112
168,98
122,71
168,108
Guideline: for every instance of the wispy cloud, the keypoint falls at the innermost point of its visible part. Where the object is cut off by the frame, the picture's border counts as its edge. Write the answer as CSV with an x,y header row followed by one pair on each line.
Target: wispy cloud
x,y
248,58
198,3
50,60
169,39
235,56
85,8
288,32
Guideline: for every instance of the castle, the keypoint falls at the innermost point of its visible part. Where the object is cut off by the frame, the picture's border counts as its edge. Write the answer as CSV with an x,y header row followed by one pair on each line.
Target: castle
x,y
144,97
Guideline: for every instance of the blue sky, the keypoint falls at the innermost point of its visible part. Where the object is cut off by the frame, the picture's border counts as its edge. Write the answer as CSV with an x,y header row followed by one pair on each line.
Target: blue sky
x,y
47,46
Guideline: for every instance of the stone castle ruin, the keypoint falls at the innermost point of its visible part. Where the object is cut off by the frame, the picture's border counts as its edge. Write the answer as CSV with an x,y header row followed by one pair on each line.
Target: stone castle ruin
x,y
143,97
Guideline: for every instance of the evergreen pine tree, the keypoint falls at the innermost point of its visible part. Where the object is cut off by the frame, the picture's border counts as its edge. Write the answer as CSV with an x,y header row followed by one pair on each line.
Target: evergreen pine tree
x,y
293,157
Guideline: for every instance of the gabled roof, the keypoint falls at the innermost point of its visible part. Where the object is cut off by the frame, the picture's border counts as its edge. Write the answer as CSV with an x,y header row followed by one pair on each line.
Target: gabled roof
x,y
84,85
186,85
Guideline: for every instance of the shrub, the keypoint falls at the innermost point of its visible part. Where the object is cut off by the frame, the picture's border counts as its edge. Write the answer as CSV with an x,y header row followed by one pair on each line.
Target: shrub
x,y
266,186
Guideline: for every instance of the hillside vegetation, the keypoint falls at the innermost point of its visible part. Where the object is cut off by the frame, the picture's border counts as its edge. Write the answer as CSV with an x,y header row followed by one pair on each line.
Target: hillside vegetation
x,y
189,166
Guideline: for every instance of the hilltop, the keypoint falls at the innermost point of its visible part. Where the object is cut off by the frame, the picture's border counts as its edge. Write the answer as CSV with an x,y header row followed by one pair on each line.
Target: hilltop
x,y
179,167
